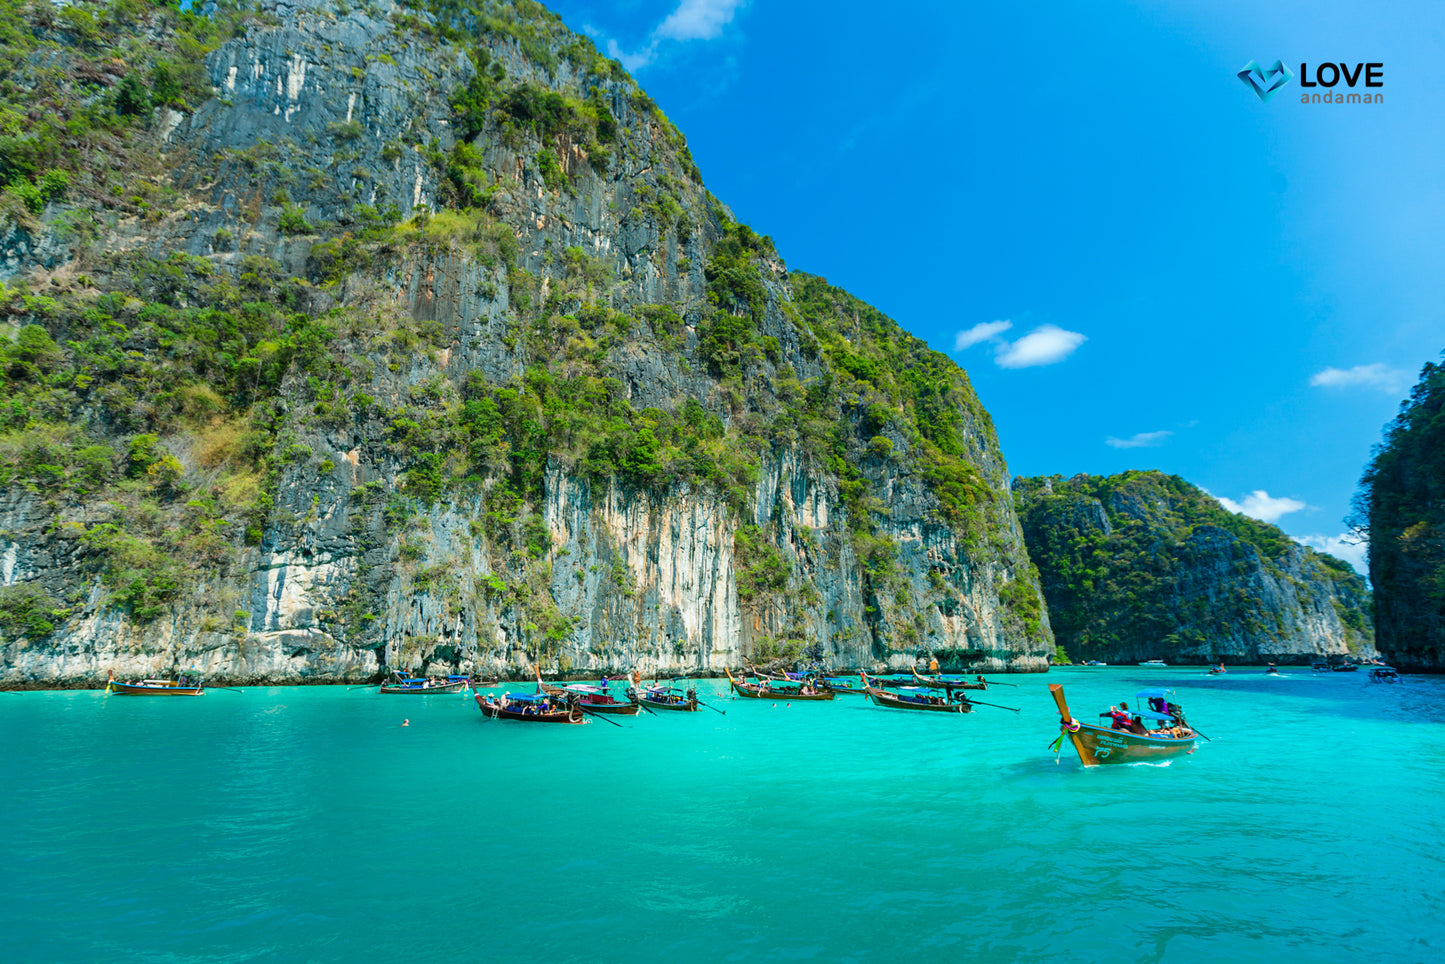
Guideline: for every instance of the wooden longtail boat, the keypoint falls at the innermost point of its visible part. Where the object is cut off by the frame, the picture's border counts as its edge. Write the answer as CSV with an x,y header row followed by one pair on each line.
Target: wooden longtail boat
x,y
916,698
1100,744
660,697
423,686
950,682
529,708
819,680
181,686
592,699
764,690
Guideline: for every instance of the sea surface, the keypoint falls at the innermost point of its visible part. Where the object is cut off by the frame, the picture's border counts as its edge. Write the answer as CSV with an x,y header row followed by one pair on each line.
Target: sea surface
x,y
306,824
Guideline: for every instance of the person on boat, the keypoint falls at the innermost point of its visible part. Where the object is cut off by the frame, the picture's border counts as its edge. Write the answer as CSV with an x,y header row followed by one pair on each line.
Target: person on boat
x,y
1119,716
933,665
604,684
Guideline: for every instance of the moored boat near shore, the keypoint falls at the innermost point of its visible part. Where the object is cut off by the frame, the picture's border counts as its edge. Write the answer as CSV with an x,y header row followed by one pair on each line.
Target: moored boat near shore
x,y
917,698
766,689
592,699
1097,744
182,685
660,697
950,682
425,686
530,708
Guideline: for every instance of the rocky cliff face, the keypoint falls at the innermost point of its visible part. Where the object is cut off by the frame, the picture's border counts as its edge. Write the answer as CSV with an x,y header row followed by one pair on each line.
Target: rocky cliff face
x,y
399,337
1402,501
1144,566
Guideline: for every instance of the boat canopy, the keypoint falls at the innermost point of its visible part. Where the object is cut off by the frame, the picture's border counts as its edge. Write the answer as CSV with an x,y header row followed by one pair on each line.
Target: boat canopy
x,y
582,688
1142,699
528,697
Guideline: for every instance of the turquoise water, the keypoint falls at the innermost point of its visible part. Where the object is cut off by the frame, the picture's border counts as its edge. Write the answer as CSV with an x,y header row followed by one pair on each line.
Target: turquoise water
x,y
304,824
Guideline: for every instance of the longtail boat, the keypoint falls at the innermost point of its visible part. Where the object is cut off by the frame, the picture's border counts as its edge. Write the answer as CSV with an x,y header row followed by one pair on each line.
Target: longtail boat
x,y
660,697
1098,744
530,708
815,677
592,699
950,682
765,690
425,686
180,686
916,698
840,684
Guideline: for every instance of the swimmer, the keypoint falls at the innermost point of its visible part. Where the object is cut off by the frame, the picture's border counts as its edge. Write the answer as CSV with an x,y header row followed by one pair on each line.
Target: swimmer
x,y
406,722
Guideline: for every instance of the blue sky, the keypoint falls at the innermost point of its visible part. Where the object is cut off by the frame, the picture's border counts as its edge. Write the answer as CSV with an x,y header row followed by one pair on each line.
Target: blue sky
x,y
1138,262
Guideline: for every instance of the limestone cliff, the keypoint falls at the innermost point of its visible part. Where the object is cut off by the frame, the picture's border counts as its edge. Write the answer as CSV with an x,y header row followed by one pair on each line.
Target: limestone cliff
x,y
352,337
1146,566
1402,503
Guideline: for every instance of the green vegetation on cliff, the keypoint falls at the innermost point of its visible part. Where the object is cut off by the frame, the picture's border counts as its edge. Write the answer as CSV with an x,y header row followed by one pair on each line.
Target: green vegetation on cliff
x,y
1144,565
1402,504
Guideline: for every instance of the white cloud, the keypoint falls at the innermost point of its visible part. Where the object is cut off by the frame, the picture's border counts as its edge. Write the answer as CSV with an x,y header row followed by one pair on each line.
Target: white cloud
x,y
1391,381
698,19
982,331
1349,548
691,20
632,61
1044,345
1260,505
1144,440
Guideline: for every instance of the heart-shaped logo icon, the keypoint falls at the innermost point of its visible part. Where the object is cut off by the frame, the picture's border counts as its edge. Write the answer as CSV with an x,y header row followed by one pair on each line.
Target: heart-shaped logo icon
x,y
1265,82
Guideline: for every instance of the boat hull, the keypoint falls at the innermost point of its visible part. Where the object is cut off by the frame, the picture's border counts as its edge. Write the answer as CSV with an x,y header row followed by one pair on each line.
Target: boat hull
x,y
142,689
613,708
433,690
882,697
686,706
